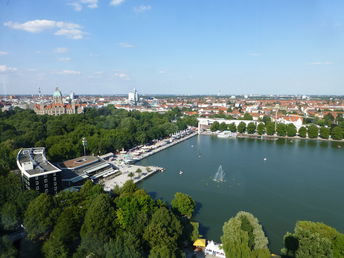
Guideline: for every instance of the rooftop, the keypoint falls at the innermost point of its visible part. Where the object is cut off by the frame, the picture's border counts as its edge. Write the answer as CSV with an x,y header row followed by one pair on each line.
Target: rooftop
x,y
78,162
34,162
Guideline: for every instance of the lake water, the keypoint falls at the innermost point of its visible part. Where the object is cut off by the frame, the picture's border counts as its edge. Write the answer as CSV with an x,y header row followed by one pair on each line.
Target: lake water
x,y
299,180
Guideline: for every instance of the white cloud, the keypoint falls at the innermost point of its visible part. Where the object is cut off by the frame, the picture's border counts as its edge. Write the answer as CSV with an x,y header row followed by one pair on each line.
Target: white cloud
x,y
61,50
3,53
70,72
64,59
142,8
162,71
255,54
70,30
321,63
116,2
122,76
126,45
98,73
78,5
5,68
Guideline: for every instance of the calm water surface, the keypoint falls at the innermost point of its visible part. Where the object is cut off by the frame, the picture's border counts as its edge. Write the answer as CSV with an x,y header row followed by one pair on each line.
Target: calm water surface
x,y
300,180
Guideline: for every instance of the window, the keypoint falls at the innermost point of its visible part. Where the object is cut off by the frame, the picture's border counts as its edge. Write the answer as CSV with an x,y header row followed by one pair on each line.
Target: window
x,y
36,177
46,185
55,189
45,176
37,182
55,184
37,188
46,190
45,180
54,178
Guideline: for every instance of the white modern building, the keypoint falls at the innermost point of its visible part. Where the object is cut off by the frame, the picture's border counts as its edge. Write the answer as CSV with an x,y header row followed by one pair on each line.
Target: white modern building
x,y
37,172
133,97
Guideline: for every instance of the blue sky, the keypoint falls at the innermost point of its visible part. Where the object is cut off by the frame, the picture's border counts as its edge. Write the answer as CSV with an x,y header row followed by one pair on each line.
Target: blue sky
x,y
172,46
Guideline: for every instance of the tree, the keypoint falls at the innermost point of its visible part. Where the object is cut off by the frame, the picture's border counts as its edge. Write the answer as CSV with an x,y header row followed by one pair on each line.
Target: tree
x,y
314,239
313,131
40,216
162,252
164,229
98,226
291,130
223,126
139,171
261,129
124,245
324,132
243,236
9,216
184,204
215,126
303,132
266,119
247,116
241,127
66,234
131,175
232,127
251,128
281,129
270,128
337,133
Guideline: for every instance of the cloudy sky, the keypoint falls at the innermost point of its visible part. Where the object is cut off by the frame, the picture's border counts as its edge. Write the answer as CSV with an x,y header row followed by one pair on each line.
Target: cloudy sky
x,y
172,46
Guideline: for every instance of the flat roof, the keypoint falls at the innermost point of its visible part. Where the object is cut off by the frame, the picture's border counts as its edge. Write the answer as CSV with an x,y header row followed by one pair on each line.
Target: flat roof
x,y
34,162
78,162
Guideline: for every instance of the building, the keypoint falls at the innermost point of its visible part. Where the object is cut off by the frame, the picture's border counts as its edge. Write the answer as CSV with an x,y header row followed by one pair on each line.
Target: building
x,y
58,107
76,171
214,249
37,172
133,97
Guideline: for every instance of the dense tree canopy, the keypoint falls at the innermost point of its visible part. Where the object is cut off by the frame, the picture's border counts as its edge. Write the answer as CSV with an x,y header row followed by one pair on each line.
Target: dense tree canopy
x,y
184,204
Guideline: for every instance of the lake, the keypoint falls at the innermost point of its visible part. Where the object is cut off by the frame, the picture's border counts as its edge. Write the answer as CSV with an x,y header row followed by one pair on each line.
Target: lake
x,y
299,180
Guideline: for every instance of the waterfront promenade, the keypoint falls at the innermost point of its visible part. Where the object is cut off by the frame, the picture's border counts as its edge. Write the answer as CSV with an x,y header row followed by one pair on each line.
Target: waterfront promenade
x,y
130,172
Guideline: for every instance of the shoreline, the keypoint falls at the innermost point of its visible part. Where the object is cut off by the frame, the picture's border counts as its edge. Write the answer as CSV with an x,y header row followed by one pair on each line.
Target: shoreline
x,y
274,137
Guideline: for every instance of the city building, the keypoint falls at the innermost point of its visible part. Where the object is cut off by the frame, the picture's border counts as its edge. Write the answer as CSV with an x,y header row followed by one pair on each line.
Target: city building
x,y
133,97
37,172
58,107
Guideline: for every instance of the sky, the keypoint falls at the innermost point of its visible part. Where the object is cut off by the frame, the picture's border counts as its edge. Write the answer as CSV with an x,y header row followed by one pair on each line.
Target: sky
x,y
172,46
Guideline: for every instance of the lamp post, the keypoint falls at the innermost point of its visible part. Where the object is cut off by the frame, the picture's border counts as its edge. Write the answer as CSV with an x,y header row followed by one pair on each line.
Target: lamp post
x,y
84,143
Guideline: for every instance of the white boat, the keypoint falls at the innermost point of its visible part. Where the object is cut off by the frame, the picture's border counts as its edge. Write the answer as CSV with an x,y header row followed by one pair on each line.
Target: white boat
x,y
265,159
180,172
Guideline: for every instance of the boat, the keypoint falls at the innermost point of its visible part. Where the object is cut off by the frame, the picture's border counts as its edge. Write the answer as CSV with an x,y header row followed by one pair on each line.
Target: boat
x,y
265,159
180,172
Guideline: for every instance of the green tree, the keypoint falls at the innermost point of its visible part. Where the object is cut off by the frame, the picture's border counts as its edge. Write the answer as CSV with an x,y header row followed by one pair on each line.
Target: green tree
x,y
184,204
232,127
162,252
247,116
241,127
124,245
98,226
215,126
243,236
337,133
251,128
281,129
303,132
164,229
40,216
324,132
223,126
270,128
313,131
261,129
291,130
314,239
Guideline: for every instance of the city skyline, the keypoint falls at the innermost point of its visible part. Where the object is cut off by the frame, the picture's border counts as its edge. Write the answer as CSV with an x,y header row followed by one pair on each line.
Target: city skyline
x,y
181,48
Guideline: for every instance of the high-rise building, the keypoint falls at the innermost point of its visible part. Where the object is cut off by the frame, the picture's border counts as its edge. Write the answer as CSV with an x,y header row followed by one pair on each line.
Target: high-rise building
x,y
37,172
133,97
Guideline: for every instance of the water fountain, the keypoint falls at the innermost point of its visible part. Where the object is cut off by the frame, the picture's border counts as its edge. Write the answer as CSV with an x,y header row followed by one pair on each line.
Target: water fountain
x,y
220,175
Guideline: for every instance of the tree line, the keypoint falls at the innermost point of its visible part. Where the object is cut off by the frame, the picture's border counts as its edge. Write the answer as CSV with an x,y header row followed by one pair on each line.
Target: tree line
x,y
91,223
313,131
